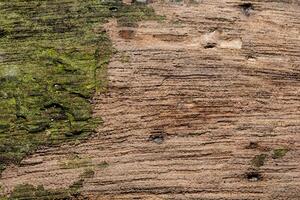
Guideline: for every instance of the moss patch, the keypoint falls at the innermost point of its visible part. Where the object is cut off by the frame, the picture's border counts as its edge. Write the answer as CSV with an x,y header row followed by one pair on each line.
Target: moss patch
x,y
75,162
30,192
88,173
27,191
279,153
103,165
53,57
259,160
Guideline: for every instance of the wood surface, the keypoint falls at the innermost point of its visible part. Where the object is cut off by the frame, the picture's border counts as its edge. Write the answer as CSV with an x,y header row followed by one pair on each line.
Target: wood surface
x,y
197,107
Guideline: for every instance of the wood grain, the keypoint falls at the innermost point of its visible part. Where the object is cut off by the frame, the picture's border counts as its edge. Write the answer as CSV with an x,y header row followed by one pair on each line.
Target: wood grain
x,y
192,101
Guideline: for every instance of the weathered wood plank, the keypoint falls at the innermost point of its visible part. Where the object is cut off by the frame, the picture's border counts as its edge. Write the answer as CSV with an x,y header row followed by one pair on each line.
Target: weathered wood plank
x,y
204,105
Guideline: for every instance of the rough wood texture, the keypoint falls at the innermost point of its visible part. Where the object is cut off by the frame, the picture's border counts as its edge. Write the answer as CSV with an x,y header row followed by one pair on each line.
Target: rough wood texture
x,y
204,105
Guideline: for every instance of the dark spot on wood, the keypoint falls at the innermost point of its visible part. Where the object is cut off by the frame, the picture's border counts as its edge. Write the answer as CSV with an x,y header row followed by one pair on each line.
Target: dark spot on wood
x,y
246,8
127,33
252,145
20,116
253,176
210,45
2,33
53,105
157,138
250,57
113,9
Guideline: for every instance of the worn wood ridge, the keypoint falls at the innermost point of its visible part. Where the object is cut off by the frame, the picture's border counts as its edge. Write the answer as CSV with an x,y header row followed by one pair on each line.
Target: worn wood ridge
x,y
202,105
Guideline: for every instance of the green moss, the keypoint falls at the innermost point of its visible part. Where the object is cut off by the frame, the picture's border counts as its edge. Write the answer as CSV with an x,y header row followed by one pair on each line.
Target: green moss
x,y
259,160
53,59
75,162
125,58
193,2
76,186
27,191
1,189
103,164
279,153
30,192
88,173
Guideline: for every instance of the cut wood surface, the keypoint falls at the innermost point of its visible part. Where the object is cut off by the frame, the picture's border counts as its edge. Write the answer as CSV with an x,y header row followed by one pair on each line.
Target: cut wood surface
x,y
202,105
